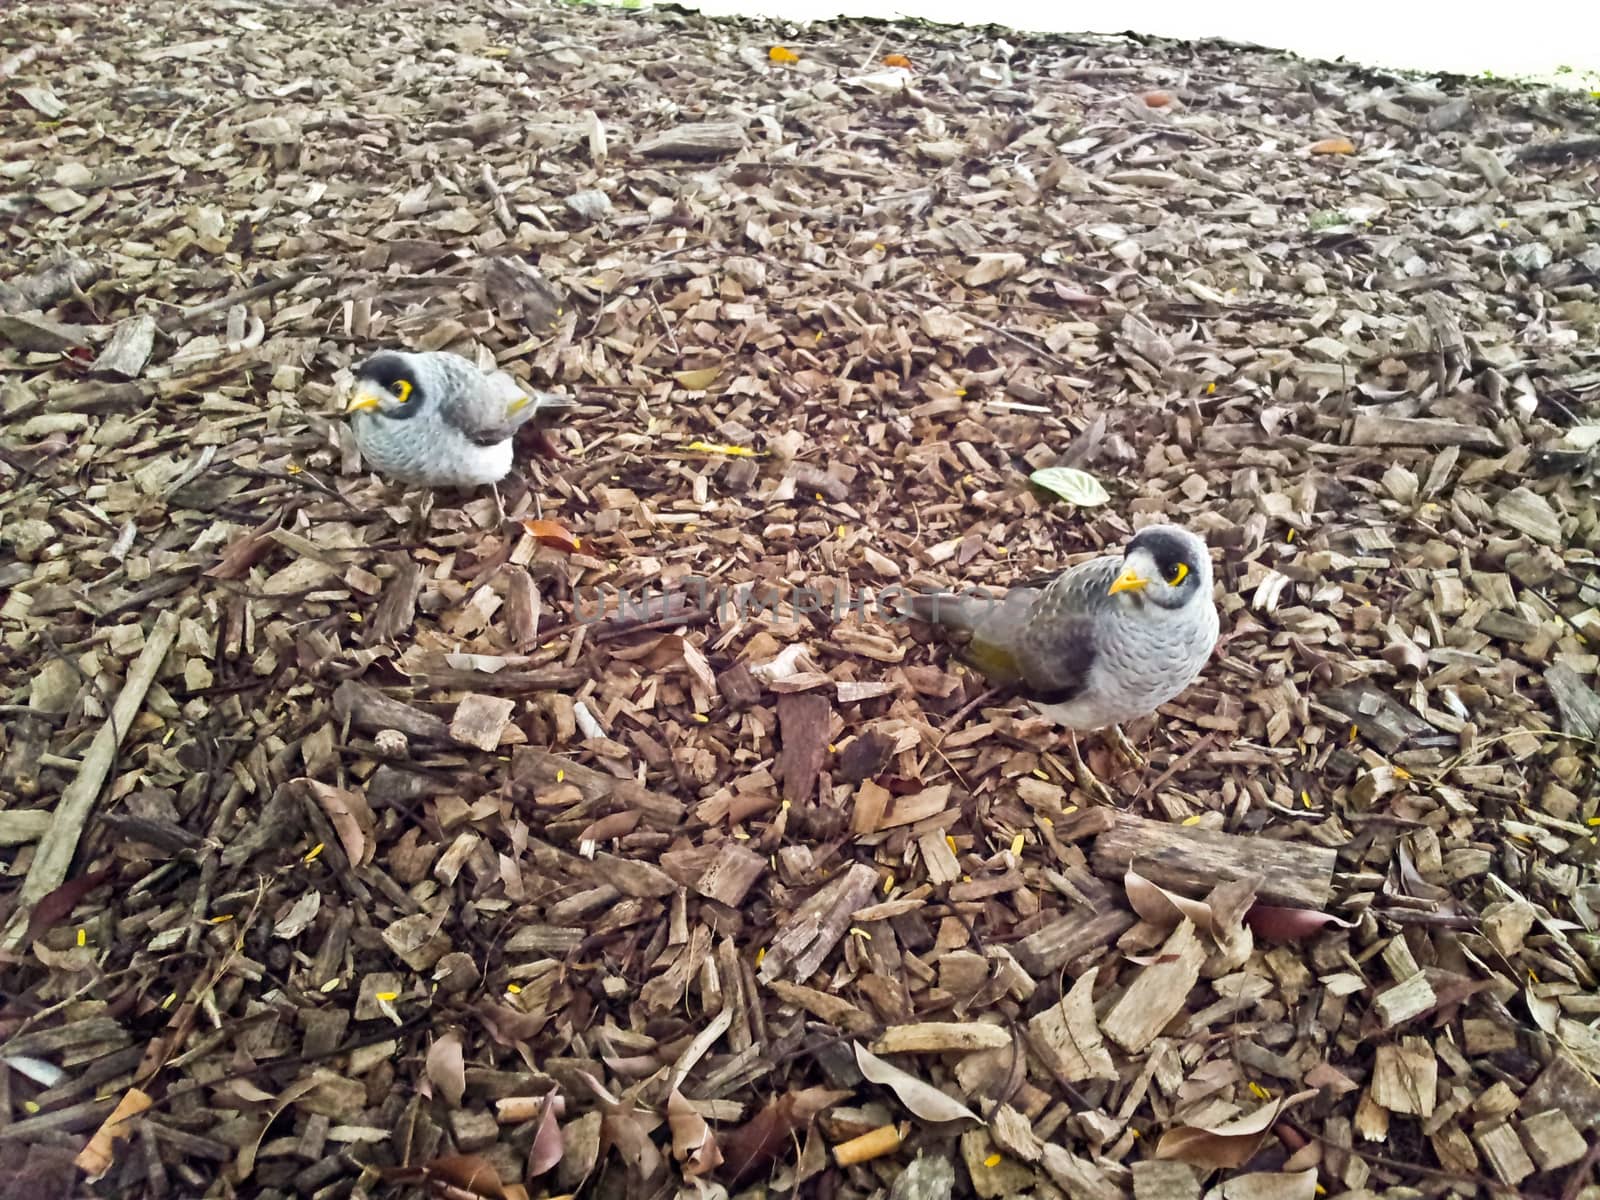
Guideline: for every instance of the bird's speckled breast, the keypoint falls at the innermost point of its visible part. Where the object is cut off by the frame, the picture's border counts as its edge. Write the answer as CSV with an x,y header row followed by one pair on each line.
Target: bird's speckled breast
x,y
424,451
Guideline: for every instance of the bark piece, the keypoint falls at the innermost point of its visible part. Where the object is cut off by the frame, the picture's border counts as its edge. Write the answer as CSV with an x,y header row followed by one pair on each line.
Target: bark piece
x,y
1193,861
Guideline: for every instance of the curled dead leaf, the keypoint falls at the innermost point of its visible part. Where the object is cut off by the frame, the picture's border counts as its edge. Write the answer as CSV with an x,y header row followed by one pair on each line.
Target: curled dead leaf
x,y
1290,924
98,1155
1162,908
700,378
1333,145
1156,99
693,1143
764,1136
897,60
922,1098
1228,1144
552,534
781,54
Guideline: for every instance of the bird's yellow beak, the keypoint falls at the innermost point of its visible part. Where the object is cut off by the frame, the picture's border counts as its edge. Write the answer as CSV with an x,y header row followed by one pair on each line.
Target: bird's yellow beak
x,y
1129,581
361,400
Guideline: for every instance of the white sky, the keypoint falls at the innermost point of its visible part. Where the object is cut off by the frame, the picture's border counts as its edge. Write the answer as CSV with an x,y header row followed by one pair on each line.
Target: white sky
x,y
1532,38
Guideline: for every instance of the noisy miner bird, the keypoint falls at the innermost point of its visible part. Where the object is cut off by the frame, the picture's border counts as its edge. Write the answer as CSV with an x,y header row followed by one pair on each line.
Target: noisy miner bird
x,y
435,419
1100,643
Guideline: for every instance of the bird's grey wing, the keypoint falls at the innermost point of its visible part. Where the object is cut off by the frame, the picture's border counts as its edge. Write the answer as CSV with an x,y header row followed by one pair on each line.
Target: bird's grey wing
x,y
488,409
1057,644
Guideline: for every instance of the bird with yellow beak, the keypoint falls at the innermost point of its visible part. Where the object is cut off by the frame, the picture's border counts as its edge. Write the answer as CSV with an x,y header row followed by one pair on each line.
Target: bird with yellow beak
x,y
437,420
1100,643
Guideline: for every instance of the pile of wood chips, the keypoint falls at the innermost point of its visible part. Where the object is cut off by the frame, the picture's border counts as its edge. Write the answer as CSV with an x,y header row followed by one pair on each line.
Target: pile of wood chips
x,y
353,848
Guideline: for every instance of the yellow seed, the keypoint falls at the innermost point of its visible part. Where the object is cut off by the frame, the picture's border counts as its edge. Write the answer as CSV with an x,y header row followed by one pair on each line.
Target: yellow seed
x,y
760,954
842,533
1046,821
313,853
560,775
1305,798
1401,773
386,996
992,1161
879,246
951,842
888,885
702,718
513,989
223,919
1290,538
30,1106
1069,810
1193,819
357,618
1016,845
83,938
1259,1092
171,999
832,749
856,931
1211,388
292,468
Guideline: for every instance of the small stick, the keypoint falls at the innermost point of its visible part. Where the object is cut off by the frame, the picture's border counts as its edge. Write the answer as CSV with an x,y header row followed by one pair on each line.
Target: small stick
x,y
186,315
502,210
56,849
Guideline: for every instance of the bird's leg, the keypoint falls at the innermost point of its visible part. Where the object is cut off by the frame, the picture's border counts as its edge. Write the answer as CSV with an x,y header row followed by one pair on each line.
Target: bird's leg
x,y
420,515
1121,744
499,505
1085,777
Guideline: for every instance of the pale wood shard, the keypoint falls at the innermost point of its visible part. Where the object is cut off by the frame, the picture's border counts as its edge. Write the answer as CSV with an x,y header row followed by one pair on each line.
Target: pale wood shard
x,y
1066,1035
940,1037
126,354
1381,719
1410,998
731,874
1373,429
1552,1140
871,802
1405,1077
1503,1149
1160,992
1565,1085
940,861
812,931
1526,511
1193,861
480,720
1049,949
708,139
53,856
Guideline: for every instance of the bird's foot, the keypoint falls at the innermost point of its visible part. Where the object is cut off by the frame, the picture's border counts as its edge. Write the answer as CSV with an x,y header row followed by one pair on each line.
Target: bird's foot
x,y
1086,778
1123,747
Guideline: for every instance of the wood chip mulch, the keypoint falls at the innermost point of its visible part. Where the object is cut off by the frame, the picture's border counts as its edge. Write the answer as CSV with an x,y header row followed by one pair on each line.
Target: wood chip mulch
x,y
359,847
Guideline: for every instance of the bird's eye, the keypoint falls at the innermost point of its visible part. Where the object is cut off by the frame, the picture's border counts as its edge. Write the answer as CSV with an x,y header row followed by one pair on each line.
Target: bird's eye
x,y
402,390
1177,574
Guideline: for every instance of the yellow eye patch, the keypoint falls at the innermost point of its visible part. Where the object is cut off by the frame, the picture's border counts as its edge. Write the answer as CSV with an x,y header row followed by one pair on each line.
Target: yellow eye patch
x,y
1179,574
402,390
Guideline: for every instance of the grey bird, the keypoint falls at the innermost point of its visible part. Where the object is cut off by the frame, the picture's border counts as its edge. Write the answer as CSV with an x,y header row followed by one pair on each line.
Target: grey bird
x,y
435,419
1104,642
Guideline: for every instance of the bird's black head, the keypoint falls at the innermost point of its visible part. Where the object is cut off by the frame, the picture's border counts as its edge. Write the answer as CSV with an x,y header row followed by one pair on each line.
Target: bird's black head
x,y
1165,565
387,383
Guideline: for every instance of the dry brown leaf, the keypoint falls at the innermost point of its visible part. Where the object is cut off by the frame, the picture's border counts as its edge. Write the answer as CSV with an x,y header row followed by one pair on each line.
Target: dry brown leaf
x,y
1162,908
764,1136
350,817
1228,1144
922,1098
693,1143
701,378
447,1069
553,534
99,1153
1290,924
548,1144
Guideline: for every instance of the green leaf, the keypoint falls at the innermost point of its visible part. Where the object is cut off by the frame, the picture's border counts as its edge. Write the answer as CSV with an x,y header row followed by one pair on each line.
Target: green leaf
x,y
1072,485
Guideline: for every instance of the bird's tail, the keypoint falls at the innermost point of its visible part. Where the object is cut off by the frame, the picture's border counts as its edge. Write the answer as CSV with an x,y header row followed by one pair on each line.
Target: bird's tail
x,y
950,611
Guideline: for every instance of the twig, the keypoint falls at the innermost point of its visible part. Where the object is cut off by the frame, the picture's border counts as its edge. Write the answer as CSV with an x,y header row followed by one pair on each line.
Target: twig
x,y
54,856
185,316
